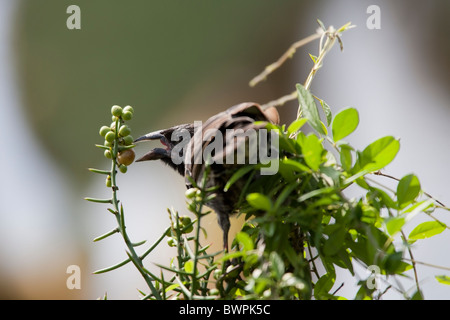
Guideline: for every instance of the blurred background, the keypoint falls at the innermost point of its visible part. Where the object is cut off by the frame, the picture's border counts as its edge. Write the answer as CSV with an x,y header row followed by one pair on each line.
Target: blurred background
x,y
177,62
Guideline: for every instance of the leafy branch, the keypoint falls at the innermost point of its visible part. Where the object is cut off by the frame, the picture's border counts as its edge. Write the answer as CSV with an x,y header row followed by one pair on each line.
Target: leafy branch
x,y
299,224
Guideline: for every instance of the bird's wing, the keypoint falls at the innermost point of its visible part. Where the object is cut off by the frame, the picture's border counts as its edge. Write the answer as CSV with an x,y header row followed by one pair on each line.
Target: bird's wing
x,y
241,116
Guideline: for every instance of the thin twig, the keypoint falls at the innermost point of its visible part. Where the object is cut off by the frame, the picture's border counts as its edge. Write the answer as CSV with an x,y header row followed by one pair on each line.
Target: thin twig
x,y
379,173
339,288
288,54
279,102
428,264
312,261
416,277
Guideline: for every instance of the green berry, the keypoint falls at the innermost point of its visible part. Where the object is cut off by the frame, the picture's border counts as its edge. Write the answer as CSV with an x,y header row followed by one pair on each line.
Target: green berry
x,y
191,193
232,272
123,168
188,229
116,111
214,292
127,115
126,157
128,140
113,126
108,154
171,242
217,273
124,131
128,109
185,220
110,136
104,130
108,181
108,144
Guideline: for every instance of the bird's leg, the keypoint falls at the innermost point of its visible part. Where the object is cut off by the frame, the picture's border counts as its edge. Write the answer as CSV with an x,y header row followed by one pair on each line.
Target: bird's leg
x,y
224,222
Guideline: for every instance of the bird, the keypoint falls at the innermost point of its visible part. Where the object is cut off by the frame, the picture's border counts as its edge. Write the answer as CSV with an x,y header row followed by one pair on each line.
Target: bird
x,y
185,145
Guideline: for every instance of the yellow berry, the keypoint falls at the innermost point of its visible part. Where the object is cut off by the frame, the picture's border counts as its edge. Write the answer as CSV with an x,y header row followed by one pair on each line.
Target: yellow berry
x,y
126,157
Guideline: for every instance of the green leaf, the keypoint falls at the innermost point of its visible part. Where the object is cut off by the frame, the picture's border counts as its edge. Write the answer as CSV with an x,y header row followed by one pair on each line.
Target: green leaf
x,y
237,175
392,263
417,295
245,241
417,208
295,165
327,110
335,240
296,125
313,58
259,201
312,151
344,123
426,230
443,279
379,154
315,193
189,266
322,26
308,108
346,156
277,264
394,225
407,190
323,286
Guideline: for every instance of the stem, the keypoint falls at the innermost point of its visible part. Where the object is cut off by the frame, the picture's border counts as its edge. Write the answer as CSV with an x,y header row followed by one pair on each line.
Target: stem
x,y
288,54
119,214
198,214
416,277
379,173
331,34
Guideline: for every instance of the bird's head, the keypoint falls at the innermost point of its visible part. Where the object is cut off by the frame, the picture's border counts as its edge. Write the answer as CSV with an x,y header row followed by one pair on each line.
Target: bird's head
x,y
169,138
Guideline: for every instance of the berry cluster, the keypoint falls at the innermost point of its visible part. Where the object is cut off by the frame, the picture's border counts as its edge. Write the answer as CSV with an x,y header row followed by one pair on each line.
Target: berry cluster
x,y
118,139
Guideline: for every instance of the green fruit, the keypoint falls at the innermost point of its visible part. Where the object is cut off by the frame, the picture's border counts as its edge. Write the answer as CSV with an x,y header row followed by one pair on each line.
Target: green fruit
x,y
185,220
108,181
188,229
108,144
127,115
128,109
126,157
108,154
191,193
171,242
110,136
123,168
116,111
124,131
104,130
113,126
214,292
217,273
128,140
232,272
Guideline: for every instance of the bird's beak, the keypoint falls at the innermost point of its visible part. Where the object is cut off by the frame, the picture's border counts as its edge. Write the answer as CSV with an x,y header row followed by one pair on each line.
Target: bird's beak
x,y
150,136
154,154
157,153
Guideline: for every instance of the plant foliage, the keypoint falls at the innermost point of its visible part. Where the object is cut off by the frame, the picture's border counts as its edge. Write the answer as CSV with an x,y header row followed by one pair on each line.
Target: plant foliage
x,y
301,226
